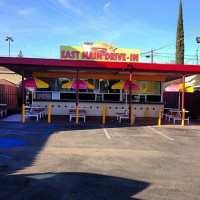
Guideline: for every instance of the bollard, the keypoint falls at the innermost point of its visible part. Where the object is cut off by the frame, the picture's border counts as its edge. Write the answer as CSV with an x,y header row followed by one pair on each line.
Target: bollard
x,y
77,114
23,113
159,116
132,113
106,111
183,117
49,113
104,115
147,112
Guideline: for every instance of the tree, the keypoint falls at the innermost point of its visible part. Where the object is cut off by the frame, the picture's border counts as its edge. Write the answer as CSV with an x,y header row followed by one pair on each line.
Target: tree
x,y
180,38
20,55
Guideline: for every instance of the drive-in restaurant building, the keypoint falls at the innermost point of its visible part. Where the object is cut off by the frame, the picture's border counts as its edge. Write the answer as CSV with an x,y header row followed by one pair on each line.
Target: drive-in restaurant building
x,y
102,65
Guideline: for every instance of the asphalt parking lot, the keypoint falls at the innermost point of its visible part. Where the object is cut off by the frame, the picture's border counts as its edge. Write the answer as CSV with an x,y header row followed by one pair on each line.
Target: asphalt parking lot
x,y
91,161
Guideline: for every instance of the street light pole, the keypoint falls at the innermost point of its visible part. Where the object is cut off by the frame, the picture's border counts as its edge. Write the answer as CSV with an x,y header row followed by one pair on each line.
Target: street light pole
x,y
9,39
197,57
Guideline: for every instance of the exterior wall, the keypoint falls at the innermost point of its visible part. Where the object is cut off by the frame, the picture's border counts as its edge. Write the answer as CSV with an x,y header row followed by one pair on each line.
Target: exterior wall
x,y
96,108
9,96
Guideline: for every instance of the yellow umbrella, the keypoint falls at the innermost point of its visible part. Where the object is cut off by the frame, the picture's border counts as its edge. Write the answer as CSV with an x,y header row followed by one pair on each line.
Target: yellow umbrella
x,y
125,85
82,85
33,83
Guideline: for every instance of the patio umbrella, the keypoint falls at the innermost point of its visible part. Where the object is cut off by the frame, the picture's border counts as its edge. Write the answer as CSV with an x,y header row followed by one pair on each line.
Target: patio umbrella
x,y
34,83
126,86
82,85
178,87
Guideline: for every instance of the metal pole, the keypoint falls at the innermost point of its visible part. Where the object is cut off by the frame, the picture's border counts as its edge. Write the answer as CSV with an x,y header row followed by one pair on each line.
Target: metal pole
x,y
22,86
77,95
151,56
9,47
77,87
130,94
183,92
197,59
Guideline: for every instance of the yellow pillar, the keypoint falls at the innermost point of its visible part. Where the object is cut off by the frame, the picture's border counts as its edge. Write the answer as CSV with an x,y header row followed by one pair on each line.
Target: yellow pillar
x,y
132,113
23,113
159,116
76,114
104,115
147,112
183,117
49,113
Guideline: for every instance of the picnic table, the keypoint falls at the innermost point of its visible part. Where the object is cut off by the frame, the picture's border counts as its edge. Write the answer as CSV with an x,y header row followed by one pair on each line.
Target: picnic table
x,y
3,109
81,112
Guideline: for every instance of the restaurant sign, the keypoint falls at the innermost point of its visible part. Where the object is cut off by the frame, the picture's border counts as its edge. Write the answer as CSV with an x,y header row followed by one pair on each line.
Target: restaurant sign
x,y
43,95
99,51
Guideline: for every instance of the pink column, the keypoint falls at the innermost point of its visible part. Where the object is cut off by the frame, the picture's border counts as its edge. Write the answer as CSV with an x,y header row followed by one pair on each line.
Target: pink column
x,y
23,86
130,96
77,87
183,93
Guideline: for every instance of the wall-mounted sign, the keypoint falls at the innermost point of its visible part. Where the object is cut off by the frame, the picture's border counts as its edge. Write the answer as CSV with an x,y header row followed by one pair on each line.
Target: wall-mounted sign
x,y
43,95
99,51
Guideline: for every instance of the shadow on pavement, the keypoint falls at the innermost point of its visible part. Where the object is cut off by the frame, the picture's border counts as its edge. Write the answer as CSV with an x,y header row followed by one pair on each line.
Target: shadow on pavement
x,y
27,140
72,186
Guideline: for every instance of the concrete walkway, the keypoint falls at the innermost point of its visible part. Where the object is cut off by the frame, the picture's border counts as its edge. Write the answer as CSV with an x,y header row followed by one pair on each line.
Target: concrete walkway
x,y
13,118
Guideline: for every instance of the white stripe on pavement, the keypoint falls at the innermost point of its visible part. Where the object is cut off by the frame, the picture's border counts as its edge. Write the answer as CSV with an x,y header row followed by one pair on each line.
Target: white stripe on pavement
x,y
161,133
106,132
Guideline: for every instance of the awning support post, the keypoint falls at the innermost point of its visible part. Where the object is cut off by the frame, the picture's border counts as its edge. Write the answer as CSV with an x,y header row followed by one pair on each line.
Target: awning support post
x,y
130,94
183,93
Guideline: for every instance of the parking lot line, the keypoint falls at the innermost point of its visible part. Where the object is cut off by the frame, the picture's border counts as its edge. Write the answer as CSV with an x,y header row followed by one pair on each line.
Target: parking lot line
x,y
160,133
106,132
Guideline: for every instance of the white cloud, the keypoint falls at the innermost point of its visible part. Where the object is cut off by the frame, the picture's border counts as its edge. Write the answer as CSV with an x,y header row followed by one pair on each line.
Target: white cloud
x,y
26,11
106,6
73,8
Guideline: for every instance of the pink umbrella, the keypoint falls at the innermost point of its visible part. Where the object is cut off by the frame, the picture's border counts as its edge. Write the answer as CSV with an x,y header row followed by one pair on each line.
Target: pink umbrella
x,y
33,83
178,87
82,85
125,85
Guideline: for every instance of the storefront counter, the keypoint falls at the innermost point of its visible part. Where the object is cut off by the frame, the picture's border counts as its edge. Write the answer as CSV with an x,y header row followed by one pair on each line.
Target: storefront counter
x,y
95,108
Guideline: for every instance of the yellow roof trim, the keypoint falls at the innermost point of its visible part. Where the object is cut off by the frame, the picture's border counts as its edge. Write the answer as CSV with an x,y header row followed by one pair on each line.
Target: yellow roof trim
x,y
98,76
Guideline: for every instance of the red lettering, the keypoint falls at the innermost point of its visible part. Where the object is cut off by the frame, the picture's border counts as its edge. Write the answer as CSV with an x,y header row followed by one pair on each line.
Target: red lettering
x,y
113,56
91,56
85,55
73,54
107,56
119,56
68,55
99,56
63,54
123,56
134,57
77,54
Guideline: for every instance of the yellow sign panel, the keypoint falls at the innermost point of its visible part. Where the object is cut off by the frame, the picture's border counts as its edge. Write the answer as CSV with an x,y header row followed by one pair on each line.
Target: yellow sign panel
x,y
147,87
99,51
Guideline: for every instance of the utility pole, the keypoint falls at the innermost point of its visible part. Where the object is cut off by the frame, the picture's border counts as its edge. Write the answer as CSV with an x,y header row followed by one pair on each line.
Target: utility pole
x,y
197,57
151,56
9,39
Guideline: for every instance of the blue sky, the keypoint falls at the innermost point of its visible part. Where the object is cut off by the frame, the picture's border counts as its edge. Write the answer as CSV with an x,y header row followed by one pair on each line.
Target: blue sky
x,y
39,27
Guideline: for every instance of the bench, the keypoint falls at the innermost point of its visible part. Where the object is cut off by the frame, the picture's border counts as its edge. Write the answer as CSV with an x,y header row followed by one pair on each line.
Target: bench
x,y
178,118
32,114
72,114
1,112
124,115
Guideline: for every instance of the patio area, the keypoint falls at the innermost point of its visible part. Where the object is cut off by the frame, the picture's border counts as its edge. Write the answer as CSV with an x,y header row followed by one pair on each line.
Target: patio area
x,y
98,120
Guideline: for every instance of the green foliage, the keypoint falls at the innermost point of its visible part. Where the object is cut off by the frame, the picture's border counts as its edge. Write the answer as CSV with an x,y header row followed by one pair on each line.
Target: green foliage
x,y
180,38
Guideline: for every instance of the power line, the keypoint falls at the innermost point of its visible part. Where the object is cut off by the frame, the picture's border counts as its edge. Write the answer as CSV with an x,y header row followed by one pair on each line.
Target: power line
x,y
197,30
